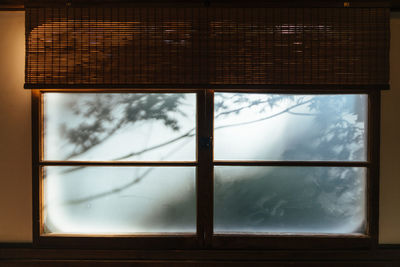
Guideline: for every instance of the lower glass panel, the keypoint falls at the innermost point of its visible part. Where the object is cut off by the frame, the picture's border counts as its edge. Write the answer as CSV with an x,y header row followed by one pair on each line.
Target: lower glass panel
x,y
119,200
289,200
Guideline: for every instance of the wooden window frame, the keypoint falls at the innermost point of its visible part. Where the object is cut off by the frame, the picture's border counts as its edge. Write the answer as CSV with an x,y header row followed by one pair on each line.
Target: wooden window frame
x,y
204,238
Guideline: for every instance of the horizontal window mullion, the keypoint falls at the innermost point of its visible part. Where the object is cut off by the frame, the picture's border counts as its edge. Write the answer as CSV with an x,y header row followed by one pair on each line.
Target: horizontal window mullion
x,y
184,241
294,163
289,241
110,90
118,163
317,88
320,89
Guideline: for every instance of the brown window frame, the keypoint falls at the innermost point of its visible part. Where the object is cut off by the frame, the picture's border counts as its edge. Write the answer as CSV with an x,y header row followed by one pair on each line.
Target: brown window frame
x,y
204,238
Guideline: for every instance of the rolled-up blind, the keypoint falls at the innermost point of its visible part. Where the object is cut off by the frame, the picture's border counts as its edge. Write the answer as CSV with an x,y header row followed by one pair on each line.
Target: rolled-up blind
x,y
100,47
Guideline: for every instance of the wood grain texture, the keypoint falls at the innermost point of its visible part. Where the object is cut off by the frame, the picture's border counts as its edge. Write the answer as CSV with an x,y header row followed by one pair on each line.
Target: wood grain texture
x,y
84,263
25,255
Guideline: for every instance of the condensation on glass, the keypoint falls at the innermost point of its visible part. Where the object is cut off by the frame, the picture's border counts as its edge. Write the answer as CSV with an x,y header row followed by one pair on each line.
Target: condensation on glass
x,y
328,200
290,127
119,200
119,127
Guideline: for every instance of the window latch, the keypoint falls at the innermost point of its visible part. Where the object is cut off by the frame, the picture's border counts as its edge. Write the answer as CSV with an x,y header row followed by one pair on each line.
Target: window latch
x,y
205,142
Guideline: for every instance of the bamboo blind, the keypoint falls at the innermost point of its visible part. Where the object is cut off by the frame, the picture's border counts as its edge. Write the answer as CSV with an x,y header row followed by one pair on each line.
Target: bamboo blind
x,y
122,47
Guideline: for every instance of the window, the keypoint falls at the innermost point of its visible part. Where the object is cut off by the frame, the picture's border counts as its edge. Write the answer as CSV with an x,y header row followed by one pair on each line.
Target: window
x,y
200,127
204,168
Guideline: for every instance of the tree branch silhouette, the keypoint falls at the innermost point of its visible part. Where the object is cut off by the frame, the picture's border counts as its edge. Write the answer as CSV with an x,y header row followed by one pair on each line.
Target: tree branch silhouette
x,y
110,192
97,141
99,111
268,199
191,133
265,118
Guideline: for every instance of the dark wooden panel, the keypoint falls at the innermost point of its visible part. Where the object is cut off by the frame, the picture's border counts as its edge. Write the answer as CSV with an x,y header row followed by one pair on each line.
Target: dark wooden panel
x,y
42,263
21,252
229,241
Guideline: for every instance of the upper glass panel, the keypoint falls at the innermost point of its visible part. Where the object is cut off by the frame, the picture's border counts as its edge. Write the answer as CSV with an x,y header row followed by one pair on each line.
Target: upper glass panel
x,y
290,127
119,127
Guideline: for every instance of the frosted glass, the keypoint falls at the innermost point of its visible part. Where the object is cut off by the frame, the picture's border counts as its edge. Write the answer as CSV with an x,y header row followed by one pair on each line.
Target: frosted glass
x,y
119,200
290,127
290,199
124,126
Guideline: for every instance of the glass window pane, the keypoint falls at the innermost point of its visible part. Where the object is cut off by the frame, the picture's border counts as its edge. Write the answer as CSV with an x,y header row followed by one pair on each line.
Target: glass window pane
x,y
125,126
119,200
290,127
290,199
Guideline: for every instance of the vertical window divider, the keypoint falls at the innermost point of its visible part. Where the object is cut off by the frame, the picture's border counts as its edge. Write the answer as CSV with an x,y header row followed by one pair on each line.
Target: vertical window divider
x,y
373,145
36,113
205,116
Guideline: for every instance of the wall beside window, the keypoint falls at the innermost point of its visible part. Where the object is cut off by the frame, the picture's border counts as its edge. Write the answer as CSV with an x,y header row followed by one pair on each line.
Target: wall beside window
x,y
15,138
390,146
15,133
